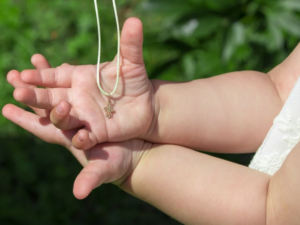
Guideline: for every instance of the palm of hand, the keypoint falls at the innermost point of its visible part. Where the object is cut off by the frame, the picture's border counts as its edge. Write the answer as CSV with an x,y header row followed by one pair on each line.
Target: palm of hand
x,y
133,103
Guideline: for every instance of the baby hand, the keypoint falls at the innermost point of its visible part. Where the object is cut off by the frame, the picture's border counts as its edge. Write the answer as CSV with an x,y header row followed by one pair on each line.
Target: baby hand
x,y
109,163
103,163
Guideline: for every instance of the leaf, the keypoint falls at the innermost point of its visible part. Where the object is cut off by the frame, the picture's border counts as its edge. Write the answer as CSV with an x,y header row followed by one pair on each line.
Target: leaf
x,y
276,37
165,6
220,4
166,13
186,29
290,22
235,38
207,26
189,65
293,5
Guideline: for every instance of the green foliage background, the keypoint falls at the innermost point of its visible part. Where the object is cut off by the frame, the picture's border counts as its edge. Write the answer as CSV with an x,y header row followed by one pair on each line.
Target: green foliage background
x,y
184,40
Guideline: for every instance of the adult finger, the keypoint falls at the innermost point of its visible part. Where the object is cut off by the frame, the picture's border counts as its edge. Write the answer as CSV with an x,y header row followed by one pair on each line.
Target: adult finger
x,y
40,62
39,97
13,78
49,77
63,117
42,128
37,125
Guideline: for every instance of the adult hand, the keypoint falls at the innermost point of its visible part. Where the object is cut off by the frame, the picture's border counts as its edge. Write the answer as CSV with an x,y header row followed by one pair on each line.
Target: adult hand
x,y
133,101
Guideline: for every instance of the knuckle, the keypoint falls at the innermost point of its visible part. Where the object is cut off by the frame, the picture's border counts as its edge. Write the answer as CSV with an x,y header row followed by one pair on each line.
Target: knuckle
x,y
56,76
50,97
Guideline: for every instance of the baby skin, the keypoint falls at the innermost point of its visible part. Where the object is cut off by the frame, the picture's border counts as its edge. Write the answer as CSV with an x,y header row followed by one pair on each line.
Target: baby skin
x,y
227,113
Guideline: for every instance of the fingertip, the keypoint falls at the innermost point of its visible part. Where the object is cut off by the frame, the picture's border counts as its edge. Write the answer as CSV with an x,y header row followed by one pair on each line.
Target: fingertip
x,y
82,187
133,32
132,41
19,94
11,76
65,64
11,112
63,108
59,115
80,194
39,61
134,22
88,179
14,78
6,110
35,58
82,136
81,140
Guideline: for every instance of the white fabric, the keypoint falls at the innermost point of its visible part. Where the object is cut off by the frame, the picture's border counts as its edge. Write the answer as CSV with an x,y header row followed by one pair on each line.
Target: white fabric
x,y
282,137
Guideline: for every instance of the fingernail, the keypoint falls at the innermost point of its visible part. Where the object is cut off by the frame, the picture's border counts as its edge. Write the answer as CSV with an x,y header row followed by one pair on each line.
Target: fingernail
x,y
80,137
59,109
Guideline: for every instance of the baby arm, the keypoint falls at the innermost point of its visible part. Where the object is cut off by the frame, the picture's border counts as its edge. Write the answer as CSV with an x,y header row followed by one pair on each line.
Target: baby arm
x,y
227,113
195,188
284,192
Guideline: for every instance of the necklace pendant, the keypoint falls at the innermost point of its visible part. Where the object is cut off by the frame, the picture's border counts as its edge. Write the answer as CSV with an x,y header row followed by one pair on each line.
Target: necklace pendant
x,y
109,109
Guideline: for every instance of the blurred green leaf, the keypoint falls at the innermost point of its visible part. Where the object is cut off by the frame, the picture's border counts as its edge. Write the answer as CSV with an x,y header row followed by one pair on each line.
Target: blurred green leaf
x,y
289,22
290,4
235,38
189,65
166,7
276,39
207,26
220,4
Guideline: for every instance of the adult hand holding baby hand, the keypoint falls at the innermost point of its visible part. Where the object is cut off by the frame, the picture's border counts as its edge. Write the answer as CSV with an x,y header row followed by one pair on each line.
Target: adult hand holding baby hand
x,y
79,102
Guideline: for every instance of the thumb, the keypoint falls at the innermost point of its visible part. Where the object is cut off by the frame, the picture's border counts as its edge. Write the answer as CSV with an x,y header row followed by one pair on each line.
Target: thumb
x,y
132,41
90,177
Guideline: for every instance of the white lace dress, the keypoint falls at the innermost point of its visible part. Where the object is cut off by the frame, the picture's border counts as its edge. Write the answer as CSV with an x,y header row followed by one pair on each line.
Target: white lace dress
x,y
283,136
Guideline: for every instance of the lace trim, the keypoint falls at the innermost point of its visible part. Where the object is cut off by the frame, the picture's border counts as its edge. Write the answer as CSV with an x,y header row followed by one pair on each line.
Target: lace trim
x,y
268,163
271,162
291,132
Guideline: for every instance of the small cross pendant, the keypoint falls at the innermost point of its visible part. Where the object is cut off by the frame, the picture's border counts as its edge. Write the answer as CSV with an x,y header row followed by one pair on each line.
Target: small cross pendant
x,y
109,109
